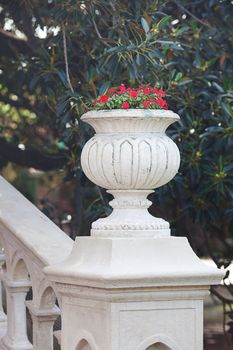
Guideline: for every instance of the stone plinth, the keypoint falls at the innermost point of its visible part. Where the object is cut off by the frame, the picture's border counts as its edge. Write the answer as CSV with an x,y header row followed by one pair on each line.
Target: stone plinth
x,y
128,294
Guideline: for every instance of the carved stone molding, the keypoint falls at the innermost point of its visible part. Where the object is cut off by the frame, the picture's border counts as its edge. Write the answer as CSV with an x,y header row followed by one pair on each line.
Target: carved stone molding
x,y
164,340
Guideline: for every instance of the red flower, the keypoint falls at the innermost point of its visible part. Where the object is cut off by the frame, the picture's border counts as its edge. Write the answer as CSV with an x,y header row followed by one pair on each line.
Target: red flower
x,y
146,104
160,93
125,105
133,94
161,103
144,96
122,88
104,98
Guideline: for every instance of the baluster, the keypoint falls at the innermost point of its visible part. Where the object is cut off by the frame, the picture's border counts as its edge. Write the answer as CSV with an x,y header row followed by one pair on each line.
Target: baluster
x,y
43,321
16,336
57,335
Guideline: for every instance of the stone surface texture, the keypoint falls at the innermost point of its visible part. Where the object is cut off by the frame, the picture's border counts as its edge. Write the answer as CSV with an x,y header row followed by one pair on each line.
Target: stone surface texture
x,y
130,155
130,286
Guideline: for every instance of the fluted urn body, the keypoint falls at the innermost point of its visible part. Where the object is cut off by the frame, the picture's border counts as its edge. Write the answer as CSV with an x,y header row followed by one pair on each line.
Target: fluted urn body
x,y
130,155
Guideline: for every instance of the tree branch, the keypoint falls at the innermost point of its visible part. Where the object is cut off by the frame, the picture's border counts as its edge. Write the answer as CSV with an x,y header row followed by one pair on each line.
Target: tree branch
x,y
8,40
66,58
98,33
191,14
30,157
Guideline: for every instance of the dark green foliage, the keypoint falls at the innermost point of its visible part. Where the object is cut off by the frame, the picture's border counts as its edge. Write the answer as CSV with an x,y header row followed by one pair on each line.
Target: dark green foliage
x,y
184,46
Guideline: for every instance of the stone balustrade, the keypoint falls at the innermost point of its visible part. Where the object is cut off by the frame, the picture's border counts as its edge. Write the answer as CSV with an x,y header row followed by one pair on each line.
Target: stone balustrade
x,y
29,241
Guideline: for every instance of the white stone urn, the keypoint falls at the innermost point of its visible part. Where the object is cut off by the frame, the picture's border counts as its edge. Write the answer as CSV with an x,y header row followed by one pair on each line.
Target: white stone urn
x,y
130,155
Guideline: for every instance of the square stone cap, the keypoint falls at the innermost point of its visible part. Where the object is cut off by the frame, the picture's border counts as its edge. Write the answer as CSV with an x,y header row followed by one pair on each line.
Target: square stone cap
x,y
133,263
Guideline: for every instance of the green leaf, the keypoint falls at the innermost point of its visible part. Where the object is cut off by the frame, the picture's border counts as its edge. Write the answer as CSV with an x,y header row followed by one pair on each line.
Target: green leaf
x,y
227,108
145,25
184,82
163,22
104,87
194,26
180,31
116,49
178,76
218,87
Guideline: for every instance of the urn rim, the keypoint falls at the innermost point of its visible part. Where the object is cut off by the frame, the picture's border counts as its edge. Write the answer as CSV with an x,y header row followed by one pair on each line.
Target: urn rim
x,y
132,113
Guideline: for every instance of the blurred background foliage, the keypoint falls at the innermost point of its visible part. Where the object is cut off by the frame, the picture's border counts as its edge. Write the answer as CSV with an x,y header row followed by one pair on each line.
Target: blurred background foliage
x,y
57,54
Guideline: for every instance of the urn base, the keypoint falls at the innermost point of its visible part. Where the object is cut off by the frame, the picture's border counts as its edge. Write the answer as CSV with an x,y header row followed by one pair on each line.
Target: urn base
x,y
130,217
127,233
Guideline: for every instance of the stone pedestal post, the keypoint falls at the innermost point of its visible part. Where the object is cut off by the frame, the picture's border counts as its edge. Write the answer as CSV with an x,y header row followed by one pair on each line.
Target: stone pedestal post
x,y
43,321
129,294
131,286
16,336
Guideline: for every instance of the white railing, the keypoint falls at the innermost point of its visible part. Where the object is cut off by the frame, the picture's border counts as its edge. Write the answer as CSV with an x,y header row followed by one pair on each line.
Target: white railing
x,y
29,241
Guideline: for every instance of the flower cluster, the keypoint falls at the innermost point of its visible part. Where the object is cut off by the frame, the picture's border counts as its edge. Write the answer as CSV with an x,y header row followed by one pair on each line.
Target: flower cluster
x,y
122,97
